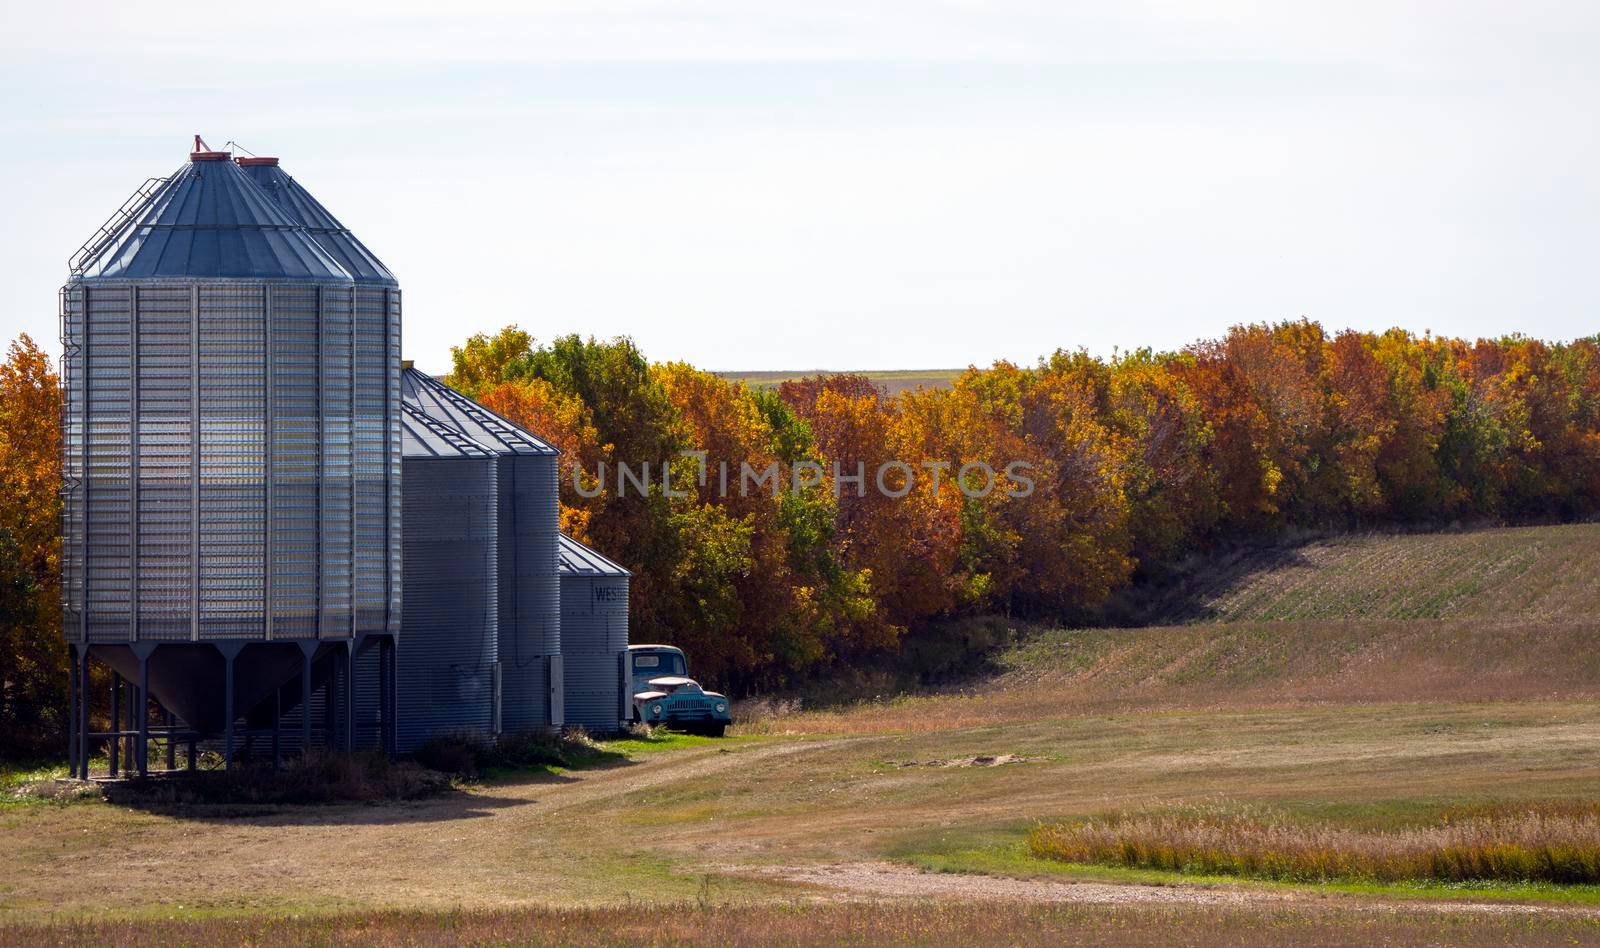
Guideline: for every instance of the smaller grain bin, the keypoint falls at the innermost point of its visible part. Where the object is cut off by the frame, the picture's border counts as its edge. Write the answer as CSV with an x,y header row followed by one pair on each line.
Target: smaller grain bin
x,y
532,686
447,672
594,634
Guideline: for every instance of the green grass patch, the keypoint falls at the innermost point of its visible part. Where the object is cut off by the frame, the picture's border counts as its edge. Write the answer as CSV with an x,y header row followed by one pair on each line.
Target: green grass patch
x,y
14,777
658,740
1006,853
38,784
554,757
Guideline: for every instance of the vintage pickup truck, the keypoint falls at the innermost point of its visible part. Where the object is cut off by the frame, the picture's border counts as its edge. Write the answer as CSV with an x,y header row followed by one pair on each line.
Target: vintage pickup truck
x,y
663,694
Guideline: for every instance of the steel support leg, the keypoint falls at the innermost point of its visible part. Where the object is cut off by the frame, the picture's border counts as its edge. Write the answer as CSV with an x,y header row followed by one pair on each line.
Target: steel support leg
x,y
172,744
116,721
350,697
330,705
83,711
277,728
227,711
306,650
72,712
144,714
230,653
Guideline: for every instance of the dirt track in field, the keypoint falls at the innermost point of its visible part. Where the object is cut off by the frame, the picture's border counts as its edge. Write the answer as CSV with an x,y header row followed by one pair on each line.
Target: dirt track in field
x,y
882,880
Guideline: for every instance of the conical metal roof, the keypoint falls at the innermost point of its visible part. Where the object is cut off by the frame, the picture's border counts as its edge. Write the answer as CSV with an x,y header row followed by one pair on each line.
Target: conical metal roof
x,y
208,221
324,228
575,559
443,403
424,437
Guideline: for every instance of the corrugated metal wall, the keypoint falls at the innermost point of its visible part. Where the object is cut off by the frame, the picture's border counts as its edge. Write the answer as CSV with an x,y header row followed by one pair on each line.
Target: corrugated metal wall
x,y
594,631
530,605
166,405
190,536
446,659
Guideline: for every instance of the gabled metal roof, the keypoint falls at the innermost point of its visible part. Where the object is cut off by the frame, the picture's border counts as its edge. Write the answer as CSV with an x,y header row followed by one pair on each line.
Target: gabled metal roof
x,y
423,437
296,202
575,559
207,221
443,403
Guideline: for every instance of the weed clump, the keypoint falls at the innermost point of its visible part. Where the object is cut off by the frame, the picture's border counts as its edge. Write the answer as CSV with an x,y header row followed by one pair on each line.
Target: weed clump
x,y
1551,844
471,754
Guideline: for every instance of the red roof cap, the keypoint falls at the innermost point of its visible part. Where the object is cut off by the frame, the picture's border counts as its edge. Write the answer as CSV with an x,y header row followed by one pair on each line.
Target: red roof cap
x,y
253,161
203,152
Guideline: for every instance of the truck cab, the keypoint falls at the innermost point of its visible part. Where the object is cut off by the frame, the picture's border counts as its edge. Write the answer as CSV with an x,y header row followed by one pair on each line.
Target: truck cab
x,y
655,677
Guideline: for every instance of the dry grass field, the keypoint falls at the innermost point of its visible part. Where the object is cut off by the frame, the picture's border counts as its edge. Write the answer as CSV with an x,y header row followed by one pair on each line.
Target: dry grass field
x,y
1530,843
908,818
913,923
893,381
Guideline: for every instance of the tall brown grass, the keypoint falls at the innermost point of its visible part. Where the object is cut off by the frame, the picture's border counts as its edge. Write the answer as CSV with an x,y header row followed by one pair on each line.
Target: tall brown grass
x,y
1541,844
844,923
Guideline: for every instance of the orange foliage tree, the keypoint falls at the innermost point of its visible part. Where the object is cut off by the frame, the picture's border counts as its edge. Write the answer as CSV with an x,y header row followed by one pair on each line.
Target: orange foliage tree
x,y
33,662
1131,463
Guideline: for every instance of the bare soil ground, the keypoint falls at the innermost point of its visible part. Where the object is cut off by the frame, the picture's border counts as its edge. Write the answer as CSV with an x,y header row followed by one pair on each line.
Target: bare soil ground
x,y
883,880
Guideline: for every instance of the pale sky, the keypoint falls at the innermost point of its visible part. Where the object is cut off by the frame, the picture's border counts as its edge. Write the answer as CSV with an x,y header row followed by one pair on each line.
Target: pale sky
x,y
854,184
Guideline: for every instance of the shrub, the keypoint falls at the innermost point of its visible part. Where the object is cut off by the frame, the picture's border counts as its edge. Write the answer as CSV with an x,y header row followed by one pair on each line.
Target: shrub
x,y
468,754
451,754
317,777
529,749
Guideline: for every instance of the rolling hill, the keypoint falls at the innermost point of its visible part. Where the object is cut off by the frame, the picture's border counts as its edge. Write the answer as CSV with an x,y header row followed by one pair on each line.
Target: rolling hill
x,y
1534,572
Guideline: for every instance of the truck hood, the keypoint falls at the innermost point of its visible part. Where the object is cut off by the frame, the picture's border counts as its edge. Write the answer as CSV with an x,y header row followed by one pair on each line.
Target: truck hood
x,y
655,694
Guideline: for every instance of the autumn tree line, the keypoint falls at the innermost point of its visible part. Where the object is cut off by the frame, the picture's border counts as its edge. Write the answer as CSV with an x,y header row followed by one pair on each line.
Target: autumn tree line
x,y
1133,463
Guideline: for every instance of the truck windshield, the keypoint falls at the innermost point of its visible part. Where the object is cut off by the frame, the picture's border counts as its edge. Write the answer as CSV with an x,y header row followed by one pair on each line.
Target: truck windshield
x,y
658,664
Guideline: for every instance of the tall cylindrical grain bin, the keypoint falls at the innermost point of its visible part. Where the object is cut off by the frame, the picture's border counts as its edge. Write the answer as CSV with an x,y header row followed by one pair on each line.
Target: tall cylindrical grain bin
x,y
445,668
229,406
530,606
594,634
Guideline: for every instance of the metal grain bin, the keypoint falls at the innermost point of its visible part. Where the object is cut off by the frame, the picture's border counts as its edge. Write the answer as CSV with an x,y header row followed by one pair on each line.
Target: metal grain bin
x,y
530,607
445,668
230,451
594,634
377,315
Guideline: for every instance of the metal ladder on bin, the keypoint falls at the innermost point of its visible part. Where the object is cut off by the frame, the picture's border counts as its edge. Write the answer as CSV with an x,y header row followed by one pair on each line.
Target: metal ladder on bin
x,y
119,219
